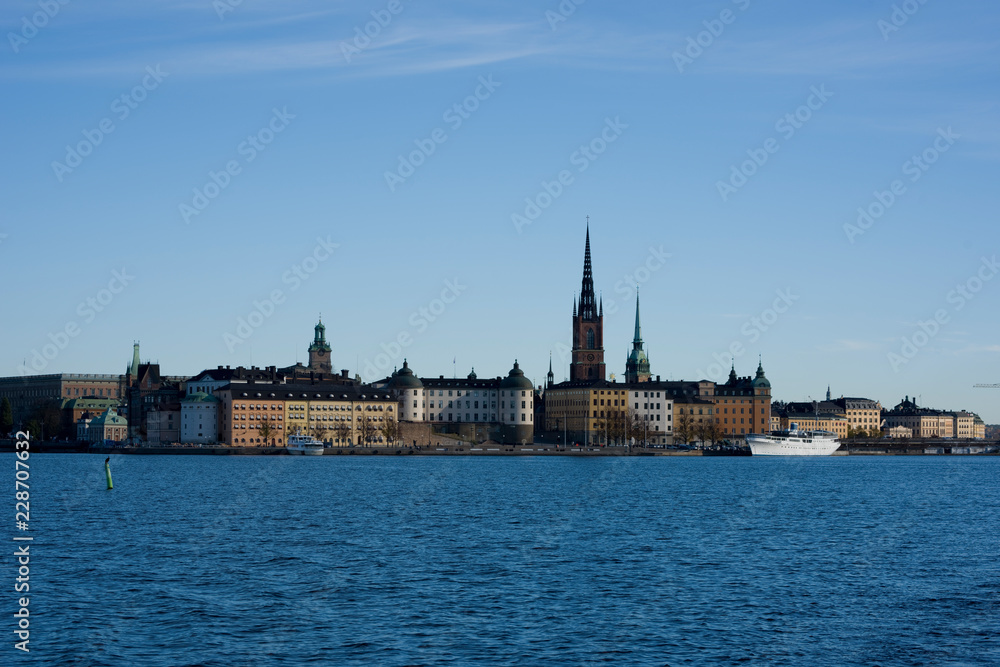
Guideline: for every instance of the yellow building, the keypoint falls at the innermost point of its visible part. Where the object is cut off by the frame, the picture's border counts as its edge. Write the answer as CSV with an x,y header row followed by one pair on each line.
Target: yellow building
x,y
863,414
340,415
602,412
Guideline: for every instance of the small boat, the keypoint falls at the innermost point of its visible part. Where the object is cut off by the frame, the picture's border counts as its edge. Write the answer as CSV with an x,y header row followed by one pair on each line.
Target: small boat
x,y
793,442
305,445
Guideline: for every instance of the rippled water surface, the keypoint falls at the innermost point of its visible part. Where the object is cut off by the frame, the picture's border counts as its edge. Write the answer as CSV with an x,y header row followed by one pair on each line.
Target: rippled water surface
x,y
403,560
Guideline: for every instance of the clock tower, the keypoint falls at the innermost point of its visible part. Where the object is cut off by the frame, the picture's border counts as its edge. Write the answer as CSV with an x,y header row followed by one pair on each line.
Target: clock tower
x,y
319,351
588,327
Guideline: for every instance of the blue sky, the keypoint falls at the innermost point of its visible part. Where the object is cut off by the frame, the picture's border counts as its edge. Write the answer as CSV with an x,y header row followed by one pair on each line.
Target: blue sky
x,y
663,121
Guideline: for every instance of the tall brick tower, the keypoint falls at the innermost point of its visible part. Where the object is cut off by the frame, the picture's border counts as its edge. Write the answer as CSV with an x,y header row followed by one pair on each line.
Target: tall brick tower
x,y
588,327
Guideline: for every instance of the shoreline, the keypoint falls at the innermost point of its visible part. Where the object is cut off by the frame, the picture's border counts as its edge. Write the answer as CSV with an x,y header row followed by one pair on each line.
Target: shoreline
x,y
494,449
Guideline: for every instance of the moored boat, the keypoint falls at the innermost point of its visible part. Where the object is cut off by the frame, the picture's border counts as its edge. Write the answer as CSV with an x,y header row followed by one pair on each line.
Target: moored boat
x,y
305,445
793,442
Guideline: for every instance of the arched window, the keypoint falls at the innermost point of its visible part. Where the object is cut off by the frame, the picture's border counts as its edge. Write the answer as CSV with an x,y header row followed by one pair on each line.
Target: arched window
x,y
590,339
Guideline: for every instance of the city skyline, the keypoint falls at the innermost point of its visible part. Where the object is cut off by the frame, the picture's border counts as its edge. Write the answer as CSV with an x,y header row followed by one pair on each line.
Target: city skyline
x,y
537,96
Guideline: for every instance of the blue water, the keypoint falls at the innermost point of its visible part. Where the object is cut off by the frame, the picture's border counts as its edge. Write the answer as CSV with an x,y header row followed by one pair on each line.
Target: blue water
x,y
404,560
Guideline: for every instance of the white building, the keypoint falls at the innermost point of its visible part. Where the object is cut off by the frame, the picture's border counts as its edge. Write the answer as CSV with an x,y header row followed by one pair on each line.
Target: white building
x,y
199,418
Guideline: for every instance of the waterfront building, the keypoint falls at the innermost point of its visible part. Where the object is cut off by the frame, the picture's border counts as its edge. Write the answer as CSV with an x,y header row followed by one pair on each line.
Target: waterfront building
x,y
163,424
199,418
694,417
898,433
74,408
409,389
30,393
746,399
606,412
979,428
109,426
923,422
501,408
963,424
587,356
864,415
252,414
147,390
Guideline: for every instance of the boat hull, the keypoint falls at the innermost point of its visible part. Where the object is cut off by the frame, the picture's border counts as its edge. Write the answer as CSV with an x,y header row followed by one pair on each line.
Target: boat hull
x,y
764,446
295,451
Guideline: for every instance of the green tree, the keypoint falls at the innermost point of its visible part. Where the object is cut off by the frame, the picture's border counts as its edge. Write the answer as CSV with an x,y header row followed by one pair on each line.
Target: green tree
x,y
267,428
6,417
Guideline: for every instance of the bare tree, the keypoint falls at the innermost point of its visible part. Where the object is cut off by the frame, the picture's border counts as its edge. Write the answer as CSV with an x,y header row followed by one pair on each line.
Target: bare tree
x,y
683,428
343,432
366,429
634,424
390,429
318,431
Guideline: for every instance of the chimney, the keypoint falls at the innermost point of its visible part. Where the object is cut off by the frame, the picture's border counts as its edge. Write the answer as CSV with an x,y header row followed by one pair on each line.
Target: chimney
x,y
343,373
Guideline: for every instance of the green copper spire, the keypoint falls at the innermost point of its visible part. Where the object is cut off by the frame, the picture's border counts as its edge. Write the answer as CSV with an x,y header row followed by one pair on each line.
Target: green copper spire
x,y
133,369
638,335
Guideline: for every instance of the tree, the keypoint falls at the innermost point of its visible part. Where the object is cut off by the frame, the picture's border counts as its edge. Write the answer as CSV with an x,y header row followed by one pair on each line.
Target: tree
x,y
390,429
343,432
366,429
684,428
267,428
6,417
318,432
713,432
634,425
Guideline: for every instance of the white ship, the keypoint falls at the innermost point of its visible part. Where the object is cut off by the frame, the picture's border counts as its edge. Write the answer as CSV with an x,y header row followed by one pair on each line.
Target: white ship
x,y
305,445
794,442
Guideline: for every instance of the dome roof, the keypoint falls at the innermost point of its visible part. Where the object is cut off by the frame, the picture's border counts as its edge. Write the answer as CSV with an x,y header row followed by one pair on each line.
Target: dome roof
x,y
760,380
405,379
515,379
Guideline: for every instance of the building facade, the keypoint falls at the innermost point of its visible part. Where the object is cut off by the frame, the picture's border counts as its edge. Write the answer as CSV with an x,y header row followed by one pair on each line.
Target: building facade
x,y
199,418
603,412
252,414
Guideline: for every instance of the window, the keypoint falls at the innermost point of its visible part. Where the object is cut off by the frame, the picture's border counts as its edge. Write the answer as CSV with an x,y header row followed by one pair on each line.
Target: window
x,y
590,339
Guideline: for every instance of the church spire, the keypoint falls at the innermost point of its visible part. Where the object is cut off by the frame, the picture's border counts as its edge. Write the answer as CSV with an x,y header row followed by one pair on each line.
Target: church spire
x,y
587,301
637,338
